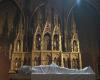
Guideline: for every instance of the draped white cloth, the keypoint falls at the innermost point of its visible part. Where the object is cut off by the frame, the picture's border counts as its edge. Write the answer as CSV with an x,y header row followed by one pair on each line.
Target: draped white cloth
x,y
54,72
55,69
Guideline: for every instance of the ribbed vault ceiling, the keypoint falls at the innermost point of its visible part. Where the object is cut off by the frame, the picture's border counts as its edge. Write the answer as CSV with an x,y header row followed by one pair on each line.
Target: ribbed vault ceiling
x,y
31,5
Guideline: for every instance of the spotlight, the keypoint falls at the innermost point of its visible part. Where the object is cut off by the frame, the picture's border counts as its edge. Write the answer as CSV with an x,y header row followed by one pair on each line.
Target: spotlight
x,y
78,1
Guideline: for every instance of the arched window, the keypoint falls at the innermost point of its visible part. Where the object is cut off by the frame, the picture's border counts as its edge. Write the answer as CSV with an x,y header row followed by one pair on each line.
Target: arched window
x,y
38,42
75,46
47,41
56,42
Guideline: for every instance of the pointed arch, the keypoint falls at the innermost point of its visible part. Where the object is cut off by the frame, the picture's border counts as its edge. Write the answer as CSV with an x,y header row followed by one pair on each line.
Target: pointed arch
x,y
56,42
57,38
38,42
37,38
47,41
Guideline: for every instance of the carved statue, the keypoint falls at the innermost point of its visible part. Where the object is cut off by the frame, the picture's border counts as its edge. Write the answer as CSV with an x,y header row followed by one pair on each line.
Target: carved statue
x,y
75,46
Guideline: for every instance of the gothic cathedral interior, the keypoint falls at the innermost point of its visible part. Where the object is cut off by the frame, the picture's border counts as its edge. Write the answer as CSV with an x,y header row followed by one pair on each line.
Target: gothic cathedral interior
x,y
49,41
